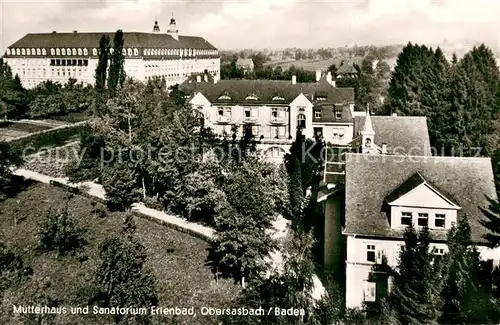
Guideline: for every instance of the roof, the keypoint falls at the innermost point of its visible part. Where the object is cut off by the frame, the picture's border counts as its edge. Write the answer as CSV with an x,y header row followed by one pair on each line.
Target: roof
x,y
91,40
346,69
401,134
413,182
328,112
372,178
266,90
244,62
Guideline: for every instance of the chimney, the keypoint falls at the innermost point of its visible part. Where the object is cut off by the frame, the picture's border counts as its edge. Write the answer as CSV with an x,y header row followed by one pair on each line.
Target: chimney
x,y
198,78
318,75
205,77
216,79
53,32
384,148
75,31
329,77
394,114
294,80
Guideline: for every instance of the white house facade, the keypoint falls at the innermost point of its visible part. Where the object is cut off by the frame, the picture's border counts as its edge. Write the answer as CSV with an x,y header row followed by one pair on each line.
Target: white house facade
x,y
60,56
275,109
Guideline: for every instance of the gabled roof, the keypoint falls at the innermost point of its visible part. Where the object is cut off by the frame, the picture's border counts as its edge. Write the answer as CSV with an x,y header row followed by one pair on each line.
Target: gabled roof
x,y
346,69
91,40
265,90
372,178
413,182
402,134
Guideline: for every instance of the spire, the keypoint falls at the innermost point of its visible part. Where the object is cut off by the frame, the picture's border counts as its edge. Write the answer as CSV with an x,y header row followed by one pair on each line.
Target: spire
x,y
368,127
172,28
156,28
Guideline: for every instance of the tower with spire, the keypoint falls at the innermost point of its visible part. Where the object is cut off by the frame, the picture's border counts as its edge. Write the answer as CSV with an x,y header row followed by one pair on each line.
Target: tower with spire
x,y
172,28
156,28
368,134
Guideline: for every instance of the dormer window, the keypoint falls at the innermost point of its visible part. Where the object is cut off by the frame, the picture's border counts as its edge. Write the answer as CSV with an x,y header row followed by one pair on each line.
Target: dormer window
x,y
85,52
317,114
38,52
129,52
252,97
423,219
278,98
7,52
136,52
338,115
74,51
28,52
79,51
23,51
58,52
440,221
274,112
44,52
406,218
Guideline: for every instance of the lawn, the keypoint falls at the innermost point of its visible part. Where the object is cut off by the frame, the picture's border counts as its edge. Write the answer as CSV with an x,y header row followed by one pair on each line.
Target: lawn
x,y
177,260
12,130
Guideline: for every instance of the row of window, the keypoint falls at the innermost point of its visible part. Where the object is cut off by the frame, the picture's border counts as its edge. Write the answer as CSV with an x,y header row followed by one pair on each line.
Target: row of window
x,y
251,97
423,219
336,132
251,112
338,114
276,132
58,62
125,52
375,256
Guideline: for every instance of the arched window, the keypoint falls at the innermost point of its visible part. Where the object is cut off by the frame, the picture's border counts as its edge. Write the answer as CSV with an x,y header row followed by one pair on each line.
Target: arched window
x,y
63,51
301,121
94,51
38,52
85,52
23,52
136,52
73,51
44,52
58,52
28,51
79,51
129,52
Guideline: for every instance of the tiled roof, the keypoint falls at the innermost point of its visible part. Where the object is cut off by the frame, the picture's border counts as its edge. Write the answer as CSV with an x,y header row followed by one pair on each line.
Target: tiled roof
x,y
402,134
328,112
91,40
346,69
266,90
371,178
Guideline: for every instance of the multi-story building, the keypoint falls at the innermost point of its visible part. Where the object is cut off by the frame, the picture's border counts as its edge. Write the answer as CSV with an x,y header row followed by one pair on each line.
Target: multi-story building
x,y
275,109
392,183
60,56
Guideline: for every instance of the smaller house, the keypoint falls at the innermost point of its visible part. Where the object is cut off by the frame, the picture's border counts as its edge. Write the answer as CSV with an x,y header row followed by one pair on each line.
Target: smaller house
x,y
245,64
347,70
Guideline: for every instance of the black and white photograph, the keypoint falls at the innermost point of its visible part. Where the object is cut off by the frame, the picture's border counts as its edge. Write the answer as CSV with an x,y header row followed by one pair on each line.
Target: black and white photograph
x,y
245,162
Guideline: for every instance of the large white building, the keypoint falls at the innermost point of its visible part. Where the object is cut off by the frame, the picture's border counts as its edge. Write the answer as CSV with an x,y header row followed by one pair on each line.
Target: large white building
x,y
60,56
275,108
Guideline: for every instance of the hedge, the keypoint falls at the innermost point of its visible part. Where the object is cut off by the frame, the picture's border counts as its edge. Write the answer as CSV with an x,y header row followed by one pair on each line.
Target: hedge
x,y
48,138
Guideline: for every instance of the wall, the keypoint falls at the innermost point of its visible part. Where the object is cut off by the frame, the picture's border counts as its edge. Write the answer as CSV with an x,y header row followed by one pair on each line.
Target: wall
x,y
328,130
358,269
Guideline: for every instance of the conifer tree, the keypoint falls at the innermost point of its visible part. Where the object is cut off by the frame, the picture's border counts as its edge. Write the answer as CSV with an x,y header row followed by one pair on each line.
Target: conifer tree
x,y
102,64
466,299
417,281
296,194
116,69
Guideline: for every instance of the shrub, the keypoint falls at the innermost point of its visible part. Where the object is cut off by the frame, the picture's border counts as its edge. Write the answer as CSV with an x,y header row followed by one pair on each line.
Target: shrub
x,y
60,233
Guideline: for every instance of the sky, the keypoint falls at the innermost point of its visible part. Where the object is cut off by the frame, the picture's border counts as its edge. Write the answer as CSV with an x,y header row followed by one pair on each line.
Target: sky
x,y
265,23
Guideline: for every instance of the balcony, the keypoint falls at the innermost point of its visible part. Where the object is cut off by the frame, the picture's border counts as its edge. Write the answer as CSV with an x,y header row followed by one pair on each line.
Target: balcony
x,y
250,120
223,119
278,120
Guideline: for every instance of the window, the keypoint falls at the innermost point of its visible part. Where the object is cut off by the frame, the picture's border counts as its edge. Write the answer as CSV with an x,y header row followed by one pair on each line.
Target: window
x,y
38,52
397,252
423,219
52,62
439,221
406,218
338,133
73,51
301,121
28,52
94,51
63,51
52,52
85,62
23,51
248,113
136,52
274,112
317,114
129,52
276,131
338,115
370,253
318,132
370,288
438,251
85,52
79,51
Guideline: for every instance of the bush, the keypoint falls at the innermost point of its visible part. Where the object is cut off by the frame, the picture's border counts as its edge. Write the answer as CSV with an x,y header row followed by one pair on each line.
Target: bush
x,y
60,233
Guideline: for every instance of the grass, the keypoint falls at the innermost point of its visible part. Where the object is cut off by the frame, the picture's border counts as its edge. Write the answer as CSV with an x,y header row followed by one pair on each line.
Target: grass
x,y
12,130
177,260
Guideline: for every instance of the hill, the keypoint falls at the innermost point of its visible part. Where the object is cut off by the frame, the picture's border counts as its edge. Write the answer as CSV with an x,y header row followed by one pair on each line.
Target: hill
x,y
178,260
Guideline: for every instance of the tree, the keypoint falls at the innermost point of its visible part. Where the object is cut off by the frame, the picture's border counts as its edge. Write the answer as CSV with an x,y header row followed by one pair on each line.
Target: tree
x,y
417,281
466,299
116,76
12,94
296,194
9,157
289,286
123,279
102,64
242,241
60,233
